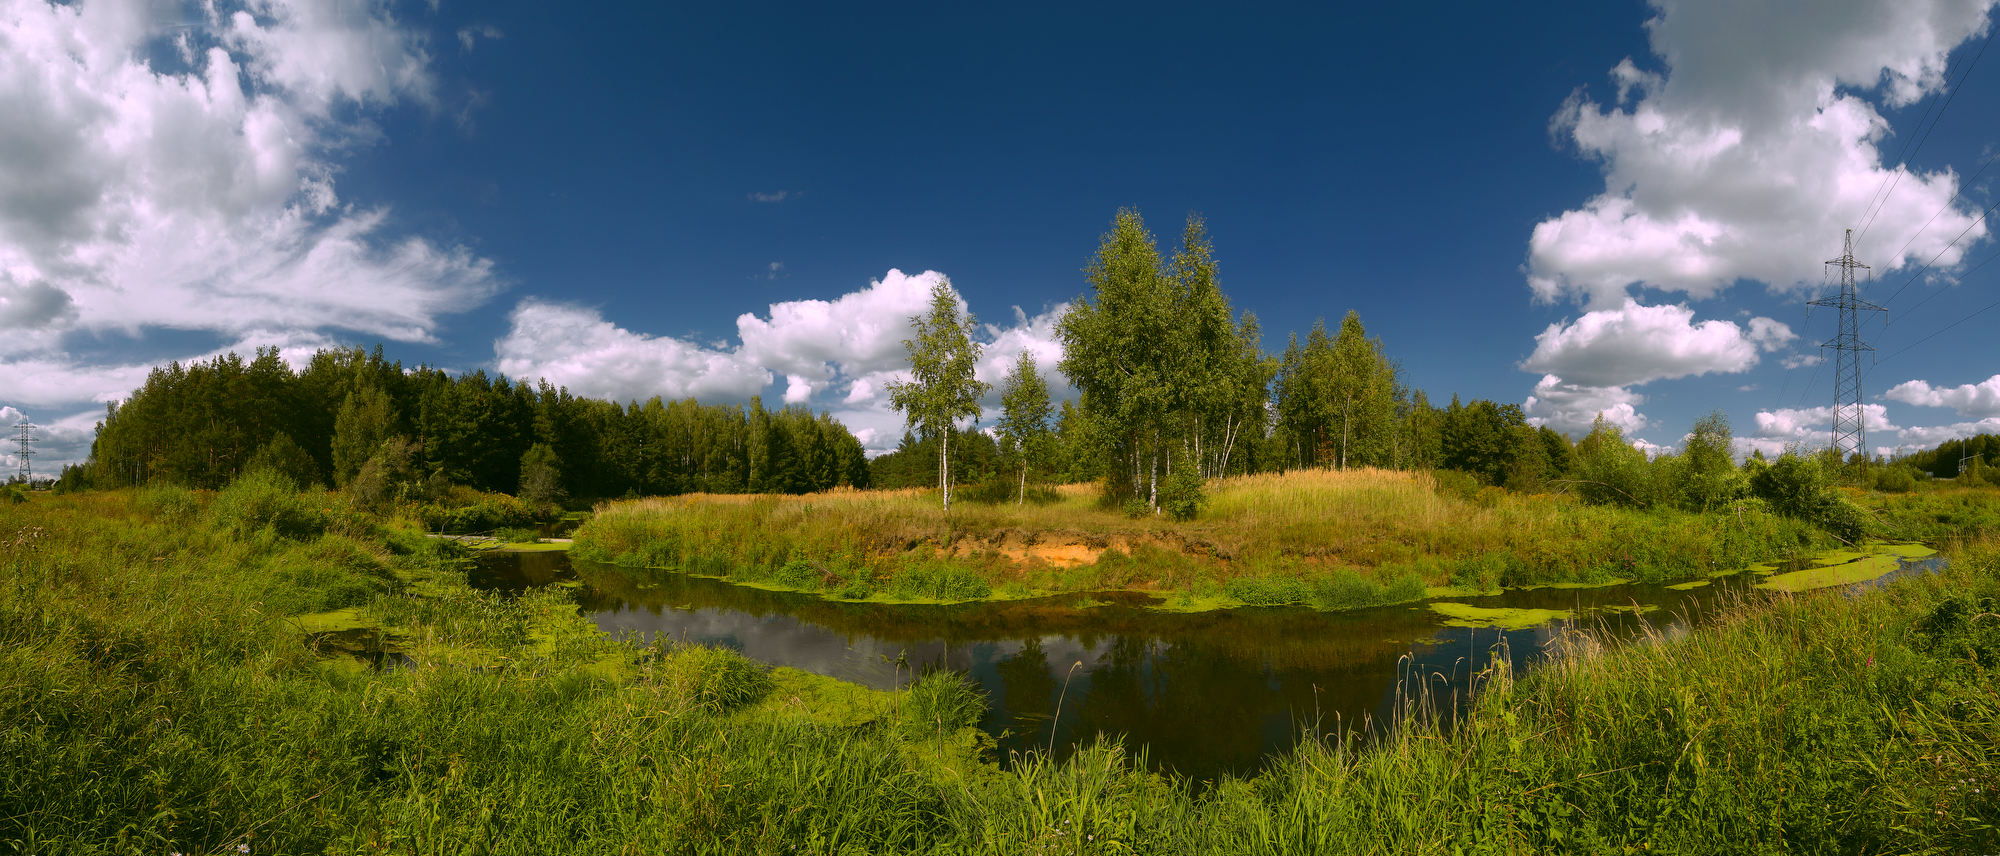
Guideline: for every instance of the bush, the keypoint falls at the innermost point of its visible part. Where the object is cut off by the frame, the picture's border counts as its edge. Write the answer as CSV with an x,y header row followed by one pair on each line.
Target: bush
x,y
1344,590
1182,497
1895,480
942,702
264,499
170,503
857,588
719,678
994,490
13,494
1609,471
798,573
1797,487
470,511
938,581
1267,591
284,456
1456,483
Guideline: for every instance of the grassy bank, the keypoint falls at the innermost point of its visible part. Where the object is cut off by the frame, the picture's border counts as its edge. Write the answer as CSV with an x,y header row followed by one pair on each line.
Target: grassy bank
x,y
157,695
1326,538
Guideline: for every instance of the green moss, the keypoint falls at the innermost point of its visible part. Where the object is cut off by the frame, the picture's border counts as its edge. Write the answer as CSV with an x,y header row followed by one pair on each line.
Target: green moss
x,y
1466,615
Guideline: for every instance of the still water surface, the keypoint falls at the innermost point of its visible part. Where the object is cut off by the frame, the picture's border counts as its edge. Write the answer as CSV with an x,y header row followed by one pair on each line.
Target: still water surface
x,y
1202,694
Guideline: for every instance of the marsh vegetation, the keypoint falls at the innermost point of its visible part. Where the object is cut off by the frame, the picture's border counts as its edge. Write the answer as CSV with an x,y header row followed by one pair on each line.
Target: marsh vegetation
x,y
162,692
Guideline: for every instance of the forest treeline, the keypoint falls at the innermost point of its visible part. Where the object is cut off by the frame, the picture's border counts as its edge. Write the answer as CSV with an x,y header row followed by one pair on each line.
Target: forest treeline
x,y
351,415
1172,387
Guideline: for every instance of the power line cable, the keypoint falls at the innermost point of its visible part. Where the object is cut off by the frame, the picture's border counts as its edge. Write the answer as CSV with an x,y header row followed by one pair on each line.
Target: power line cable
x,y
1940,254
1962,319
1940,330
1939,213
1868,216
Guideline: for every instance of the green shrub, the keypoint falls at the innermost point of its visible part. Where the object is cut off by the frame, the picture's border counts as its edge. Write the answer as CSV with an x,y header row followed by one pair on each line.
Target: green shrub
x,y
995,490
13,494
264,499
1183,495
938,581
1456,483
1137,508
720,678
169,503
942,702
1895,480
517,534
857,588
1267,591
1479,573
798,573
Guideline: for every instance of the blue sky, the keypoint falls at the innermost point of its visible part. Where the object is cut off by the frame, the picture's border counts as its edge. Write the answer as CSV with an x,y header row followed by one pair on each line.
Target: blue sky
x,y
1583,207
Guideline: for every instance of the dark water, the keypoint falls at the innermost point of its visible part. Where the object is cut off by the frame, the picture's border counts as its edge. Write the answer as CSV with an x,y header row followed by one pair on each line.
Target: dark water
x,y
1203,694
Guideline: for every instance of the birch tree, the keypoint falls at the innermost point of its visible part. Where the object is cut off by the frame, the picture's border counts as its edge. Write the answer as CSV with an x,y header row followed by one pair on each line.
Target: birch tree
x,y
1024,419
942,388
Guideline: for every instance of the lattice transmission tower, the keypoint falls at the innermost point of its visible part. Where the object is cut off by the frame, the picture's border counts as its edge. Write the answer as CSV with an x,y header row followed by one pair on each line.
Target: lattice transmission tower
x,y
27,440
1850,431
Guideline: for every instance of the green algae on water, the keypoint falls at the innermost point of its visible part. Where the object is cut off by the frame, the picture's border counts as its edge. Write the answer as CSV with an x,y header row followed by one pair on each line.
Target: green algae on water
x,y
1690,585
1847,567
1467,615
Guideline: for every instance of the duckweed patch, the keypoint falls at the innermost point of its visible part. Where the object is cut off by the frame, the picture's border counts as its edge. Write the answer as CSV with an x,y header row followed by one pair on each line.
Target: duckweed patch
x,y
1508,618
1847,567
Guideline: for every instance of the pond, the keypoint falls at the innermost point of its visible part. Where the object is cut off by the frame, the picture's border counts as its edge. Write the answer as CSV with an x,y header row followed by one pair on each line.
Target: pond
x,y
1201,694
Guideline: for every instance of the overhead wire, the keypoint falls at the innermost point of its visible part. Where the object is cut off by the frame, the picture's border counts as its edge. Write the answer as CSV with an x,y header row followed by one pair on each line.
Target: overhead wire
x,y
1879,200
1933,117
1962,319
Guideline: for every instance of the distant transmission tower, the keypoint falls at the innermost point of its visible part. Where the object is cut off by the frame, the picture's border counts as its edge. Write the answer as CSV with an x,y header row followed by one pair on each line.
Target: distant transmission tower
x,y
1850,435
26,440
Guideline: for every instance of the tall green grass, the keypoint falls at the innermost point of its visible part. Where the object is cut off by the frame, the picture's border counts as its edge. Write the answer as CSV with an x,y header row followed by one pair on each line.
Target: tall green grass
x,y
157,696
1321,530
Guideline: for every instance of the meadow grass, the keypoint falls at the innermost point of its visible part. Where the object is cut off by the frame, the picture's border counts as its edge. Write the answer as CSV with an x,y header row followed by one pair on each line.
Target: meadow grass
x,y
1326,538
157,696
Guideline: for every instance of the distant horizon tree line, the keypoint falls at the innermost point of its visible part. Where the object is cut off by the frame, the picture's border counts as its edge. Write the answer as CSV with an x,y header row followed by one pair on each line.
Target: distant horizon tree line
x,y
1172,389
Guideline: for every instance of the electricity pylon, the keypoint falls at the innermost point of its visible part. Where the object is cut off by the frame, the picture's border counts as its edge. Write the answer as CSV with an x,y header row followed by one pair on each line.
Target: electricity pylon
x,y
1850,433
26,440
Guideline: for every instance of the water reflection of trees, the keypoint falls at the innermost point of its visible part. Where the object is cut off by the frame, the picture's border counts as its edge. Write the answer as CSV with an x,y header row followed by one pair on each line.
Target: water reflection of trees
x,y
1205,693
1250,637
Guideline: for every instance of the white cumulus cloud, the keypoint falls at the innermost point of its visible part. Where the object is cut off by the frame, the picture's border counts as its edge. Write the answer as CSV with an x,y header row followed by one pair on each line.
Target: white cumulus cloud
x,y
839,355
139,193
1976,400
1753,146
1930,436
574,346
1573,409
1635,344
1815,424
